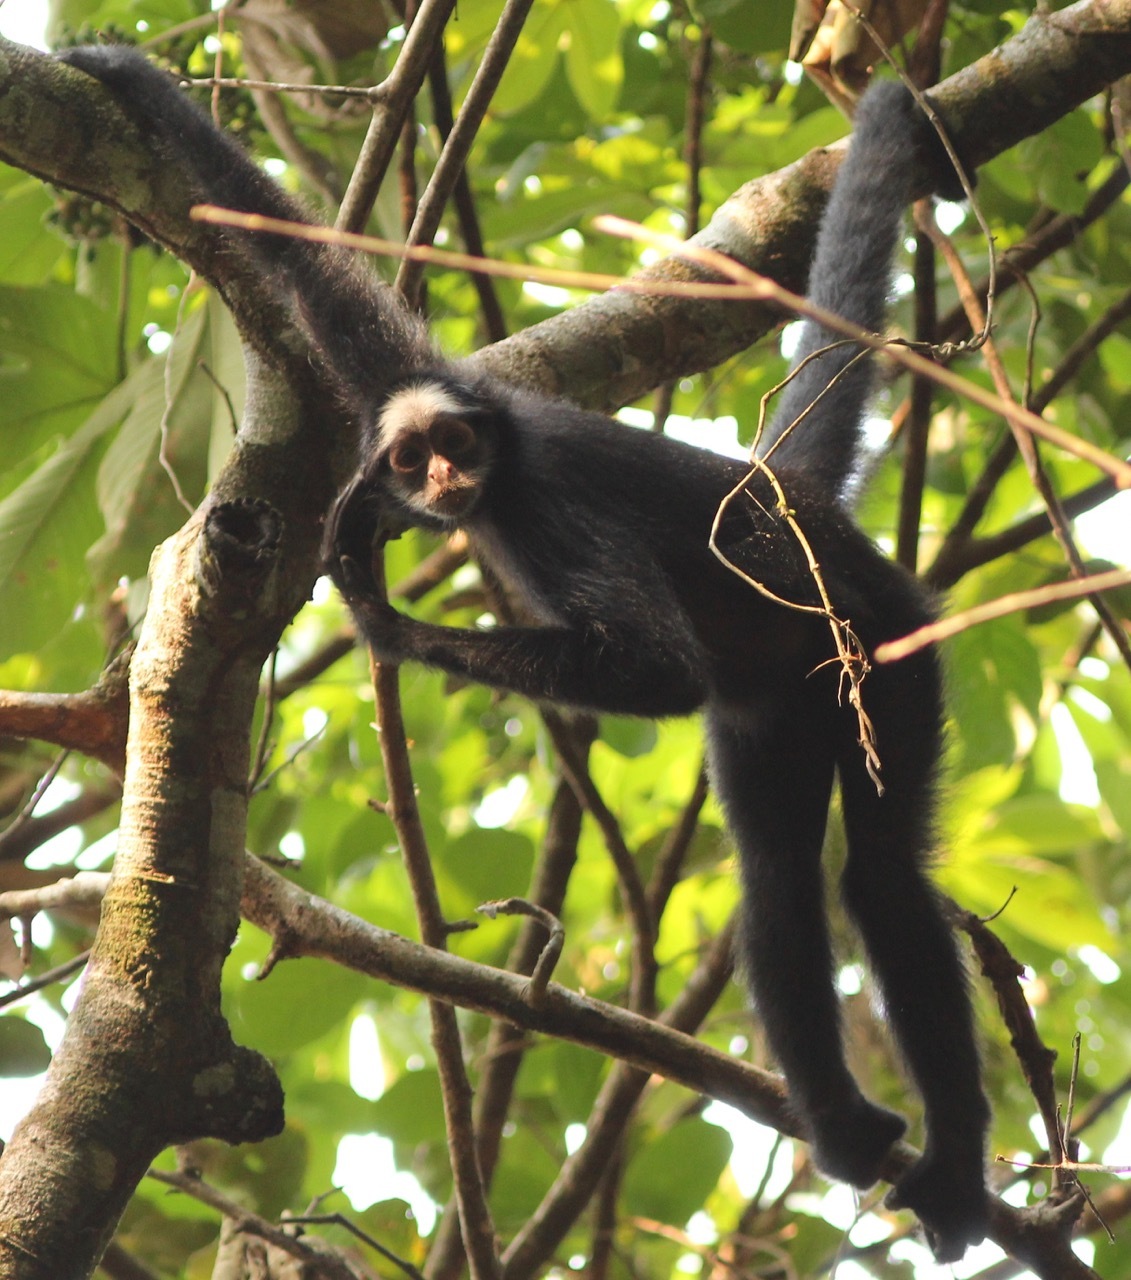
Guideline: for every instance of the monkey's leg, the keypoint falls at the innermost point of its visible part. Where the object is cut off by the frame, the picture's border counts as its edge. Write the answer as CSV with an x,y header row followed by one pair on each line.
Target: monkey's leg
x,y
913,952
773,773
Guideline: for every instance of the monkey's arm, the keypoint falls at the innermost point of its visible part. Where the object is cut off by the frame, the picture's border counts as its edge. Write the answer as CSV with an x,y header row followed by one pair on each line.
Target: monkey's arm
x,y
599,666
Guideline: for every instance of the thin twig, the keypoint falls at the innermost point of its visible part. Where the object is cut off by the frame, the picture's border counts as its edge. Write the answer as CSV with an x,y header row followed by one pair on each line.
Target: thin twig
x,y
643,982
1015,602
458,144
347,1224
1055,235
47,979
669,861
754,287
762,287
262,746
28,832
171,399
506,1042
916,435
850,653
38,792
476,1224
494,321
693,158
1027,447
371,93
406,165
551,952
581,1173
392,101
327,1265
980,551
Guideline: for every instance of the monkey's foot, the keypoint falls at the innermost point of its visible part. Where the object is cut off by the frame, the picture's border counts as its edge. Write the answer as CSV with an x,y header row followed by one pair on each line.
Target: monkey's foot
x,y
947,1192
851,1141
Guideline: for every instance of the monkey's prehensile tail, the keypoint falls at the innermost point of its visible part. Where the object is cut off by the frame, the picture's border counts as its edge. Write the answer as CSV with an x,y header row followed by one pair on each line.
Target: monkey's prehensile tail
x,y
850,276
364,333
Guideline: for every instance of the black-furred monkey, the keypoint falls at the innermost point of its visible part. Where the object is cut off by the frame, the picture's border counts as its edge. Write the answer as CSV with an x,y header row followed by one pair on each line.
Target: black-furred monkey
x,y
602,532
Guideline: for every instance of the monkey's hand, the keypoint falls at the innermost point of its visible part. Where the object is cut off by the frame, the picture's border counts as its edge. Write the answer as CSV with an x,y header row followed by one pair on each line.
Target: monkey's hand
x,y
354,579
352,536
355,531
386,631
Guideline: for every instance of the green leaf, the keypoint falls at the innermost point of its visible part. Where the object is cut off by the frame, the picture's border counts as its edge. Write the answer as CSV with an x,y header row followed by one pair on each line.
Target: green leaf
x,y
526,1170
593,59
57,361
1041,824
165,444
410,1110
23,1050
46,528
569,1075
299,1000
535,56
489,864
1114,780
629,735
1059,159
1047,903
699,1151
26,253
990,669
750,26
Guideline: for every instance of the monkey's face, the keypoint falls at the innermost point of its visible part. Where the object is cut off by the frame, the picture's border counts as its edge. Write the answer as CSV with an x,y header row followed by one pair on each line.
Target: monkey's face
x,y
438,469
434,452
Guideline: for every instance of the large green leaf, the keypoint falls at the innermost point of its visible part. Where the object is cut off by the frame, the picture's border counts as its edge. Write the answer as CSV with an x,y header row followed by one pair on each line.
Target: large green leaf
x,y
754,26
1059,158
593,58
698,1149
46,527
991,669
299,1001
26,254
23,1050
58,359
411,1113
177,430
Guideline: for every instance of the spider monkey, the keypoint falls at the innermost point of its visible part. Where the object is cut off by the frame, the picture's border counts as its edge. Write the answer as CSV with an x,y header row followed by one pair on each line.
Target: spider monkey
x,y
603,533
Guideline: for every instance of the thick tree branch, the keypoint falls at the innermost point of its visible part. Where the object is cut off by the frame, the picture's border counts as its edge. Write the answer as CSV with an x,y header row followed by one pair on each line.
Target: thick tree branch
x,y
148,1059
93,722
305,925
1057,62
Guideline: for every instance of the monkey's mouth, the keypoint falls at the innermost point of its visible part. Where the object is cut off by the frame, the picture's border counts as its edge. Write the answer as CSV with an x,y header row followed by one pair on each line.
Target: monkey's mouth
x,y
453,501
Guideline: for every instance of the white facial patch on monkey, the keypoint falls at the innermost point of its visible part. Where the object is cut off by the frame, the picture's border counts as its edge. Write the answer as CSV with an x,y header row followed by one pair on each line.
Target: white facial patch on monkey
x,y
414,408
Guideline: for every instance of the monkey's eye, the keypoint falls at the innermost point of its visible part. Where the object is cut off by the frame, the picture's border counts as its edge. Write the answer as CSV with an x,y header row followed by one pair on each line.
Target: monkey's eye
x,y
407,455
453,439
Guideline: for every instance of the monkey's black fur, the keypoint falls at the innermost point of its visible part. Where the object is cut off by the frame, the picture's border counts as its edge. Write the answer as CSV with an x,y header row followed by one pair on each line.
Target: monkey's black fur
x,y
603,532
